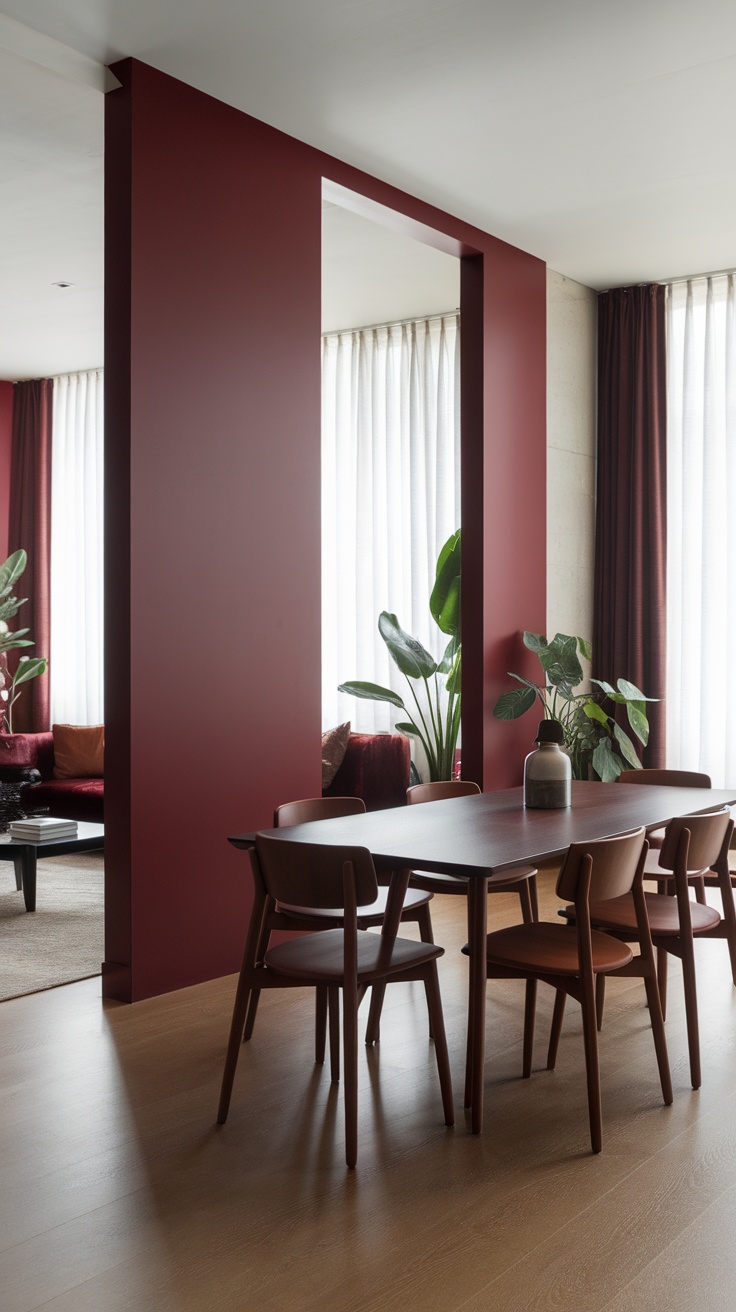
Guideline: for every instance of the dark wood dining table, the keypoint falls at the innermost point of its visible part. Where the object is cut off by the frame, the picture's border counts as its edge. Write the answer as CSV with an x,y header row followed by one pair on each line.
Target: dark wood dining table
x,y
485,834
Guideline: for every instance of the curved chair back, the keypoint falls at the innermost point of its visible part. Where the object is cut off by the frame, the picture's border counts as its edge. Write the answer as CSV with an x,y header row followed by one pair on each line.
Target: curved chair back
x,y
316,808
667,778
313,874
438,791
708,833
615,862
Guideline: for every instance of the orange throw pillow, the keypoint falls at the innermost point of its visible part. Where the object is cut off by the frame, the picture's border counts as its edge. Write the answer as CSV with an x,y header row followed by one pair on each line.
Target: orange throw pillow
x,y
79,751
334,747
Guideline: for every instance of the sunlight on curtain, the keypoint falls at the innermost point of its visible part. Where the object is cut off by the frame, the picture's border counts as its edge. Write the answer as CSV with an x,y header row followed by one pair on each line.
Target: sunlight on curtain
x,y
390,499
701,531
77,550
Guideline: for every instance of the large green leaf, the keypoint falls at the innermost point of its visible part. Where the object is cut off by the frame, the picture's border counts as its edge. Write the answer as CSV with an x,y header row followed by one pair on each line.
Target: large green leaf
x,y
454,681
28,670
408,728
585,649
595,712
448,658
514,703
560,662
411,657
12,569
638,721
371,692
632,693
606,763
536,642
444,602
628,750
607,688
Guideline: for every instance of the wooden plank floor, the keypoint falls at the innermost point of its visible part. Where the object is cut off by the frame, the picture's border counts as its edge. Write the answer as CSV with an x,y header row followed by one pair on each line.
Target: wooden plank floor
x,y
120,1193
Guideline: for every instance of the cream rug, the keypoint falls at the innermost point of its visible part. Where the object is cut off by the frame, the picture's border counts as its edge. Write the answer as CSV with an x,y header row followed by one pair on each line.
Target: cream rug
x,y
63,940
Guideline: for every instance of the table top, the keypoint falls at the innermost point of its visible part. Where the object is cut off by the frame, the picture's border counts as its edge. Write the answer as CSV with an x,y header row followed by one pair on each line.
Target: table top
x,y
88,836
494,831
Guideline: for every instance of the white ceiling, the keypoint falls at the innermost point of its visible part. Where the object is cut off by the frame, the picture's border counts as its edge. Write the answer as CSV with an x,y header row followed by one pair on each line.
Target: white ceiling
x,y
597,136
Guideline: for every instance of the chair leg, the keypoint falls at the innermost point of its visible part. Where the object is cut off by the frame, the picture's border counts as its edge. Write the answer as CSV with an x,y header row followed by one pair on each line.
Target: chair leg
x,y
350,1057
525,898
320,1023
530,1009
533,893
424,920
250,1018
333,1012
691,1011
590,1037
373,1028
437,1027
660,1042
662,956
600,999
556,1028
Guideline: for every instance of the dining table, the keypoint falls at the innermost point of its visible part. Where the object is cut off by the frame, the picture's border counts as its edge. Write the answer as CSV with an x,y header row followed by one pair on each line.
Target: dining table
x,y
483,834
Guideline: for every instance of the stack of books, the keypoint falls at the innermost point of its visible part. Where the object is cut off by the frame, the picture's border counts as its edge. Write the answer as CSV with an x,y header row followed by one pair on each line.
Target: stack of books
x,y
43,828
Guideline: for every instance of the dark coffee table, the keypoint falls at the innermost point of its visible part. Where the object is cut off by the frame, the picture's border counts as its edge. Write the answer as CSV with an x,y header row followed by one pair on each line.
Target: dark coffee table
x,y
25,854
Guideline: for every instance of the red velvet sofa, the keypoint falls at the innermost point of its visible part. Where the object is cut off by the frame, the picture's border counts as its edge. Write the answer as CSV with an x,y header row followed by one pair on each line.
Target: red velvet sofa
x,y
376,768
73,799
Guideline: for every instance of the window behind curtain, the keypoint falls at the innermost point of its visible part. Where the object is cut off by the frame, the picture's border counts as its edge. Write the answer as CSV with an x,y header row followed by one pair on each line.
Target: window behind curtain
x,y
75,665
701,537
390,498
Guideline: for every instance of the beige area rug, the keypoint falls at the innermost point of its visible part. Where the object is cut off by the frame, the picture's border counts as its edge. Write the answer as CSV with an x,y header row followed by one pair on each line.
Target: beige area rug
x,y
63,940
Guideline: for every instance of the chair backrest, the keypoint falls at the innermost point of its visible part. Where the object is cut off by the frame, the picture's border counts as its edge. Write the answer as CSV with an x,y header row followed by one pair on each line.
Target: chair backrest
x,y
614,866
707,835
316,808
312,874
666,778
438,791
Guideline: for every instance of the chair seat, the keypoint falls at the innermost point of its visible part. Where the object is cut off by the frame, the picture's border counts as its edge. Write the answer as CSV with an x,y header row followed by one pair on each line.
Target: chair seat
x,y
320,957
664,920
435,882
372,914
550,949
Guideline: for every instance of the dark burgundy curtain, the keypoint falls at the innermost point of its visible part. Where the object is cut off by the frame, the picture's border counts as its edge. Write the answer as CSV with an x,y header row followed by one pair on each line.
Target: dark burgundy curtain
x,y
631,517
30,528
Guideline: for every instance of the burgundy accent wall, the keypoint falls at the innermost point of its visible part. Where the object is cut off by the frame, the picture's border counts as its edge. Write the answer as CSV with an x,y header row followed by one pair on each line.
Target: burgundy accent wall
x,y
213,241
6,442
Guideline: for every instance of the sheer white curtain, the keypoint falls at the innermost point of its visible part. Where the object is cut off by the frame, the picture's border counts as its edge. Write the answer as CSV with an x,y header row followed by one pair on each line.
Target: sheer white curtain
x,y
390,498
75,666
701,529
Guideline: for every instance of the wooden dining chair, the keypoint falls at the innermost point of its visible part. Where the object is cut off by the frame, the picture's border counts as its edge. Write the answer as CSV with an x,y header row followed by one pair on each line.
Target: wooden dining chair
x,y
570,958
304,917
694,847
521,880
344,959
665,779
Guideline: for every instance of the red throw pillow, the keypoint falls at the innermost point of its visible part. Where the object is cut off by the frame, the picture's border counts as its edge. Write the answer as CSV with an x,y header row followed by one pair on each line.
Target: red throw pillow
x,y
79,751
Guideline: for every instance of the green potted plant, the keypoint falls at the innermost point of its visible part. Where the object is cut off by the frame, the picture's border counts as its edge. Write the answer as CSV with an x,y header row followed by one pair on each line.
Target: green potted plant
x,y
433,713
28,668
594,740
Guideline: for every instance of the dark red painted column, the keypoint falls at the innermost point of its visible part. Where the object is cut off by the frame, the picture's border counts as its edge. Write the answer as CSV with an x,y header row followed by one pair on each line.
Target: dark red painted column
x,y
213,240
6,441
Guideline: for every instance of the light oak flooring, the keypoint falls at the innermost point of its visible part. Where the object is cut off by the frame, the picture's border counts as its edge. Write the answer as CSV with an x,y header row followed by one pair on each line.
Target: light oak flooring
x,y
120,1194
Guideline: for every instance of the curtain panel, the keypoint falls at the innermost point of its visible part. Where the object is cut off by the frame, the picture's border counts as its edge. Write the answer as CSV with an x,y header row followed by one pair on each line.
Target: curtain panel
x,y
77,694
701,550
30,528
390,499
631,520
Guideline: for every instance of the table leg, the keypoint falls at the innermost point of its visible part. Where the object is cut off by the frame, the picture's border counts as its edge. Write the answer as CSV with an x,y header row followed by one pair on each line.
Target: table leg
x,y
28,876
391,921
18,865
477,931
